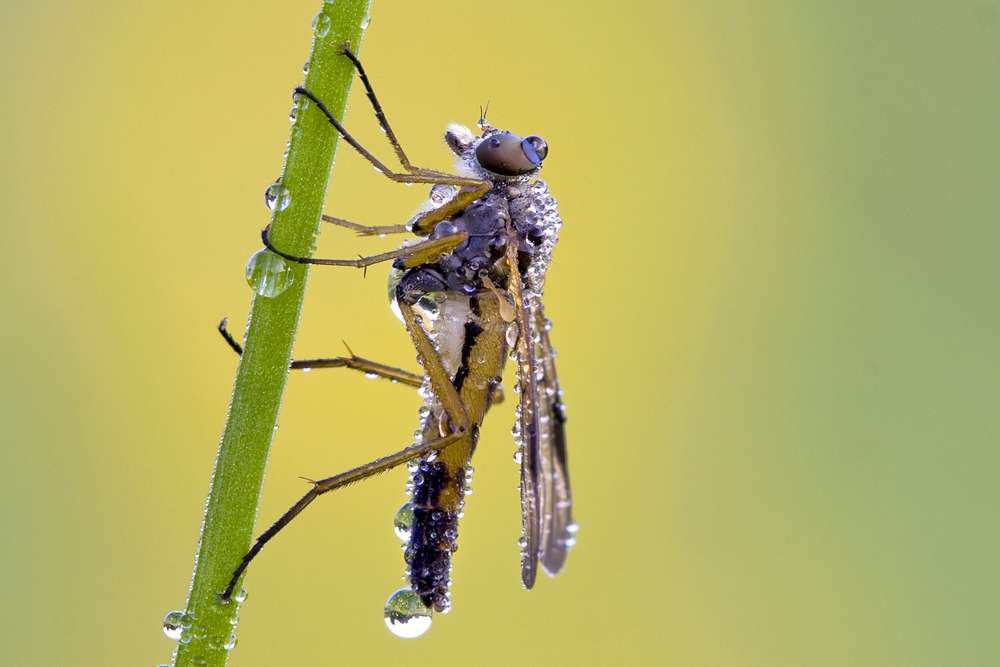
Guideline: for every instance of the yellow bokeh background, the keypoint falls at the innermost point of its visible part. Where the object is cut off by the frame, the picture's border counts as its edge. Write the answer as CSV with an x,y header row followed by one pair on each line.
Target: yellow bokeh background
x,y
775,301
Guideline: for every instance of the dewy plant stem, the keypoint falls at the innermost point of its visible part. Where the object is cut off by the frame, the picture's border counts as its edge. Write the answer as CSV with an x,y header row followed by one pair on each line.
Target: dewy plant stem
x,y
209,624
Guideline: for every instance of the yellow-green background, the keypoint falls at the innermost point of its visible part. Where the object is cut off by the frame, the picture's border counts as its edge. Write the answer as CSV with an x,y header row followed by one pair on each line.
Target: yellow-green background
x,y
775,302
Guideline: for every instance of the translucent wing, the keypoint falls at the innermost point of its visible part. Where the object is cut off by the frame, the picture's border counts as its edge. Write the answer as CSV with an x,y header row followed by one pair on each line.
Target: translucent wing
x,y
557,529
545,493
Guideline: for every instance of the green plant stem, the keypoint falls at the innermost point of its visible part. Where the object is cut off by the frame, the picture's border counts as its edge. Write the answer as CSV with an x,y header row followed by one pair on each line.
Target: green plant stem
x,y
228,528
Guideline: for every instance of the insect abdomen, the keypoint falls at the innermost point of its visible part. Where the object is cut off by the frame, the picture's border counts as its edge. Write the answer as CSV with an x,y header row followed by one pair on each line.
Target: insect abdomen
x,y
433,533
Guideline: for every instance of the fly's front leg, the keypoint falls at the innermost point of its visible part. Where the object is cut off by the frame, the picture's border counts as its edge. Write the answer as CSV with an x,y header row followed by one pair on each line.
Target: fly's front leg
x,y
419,253
355,362
412,174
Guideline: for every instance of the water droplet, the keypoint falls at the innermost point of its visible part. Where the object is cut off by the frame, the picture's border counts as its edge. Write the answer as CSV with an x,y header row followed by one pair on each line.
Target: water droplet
x,y
198,632
518,456
305,68
403,522
172,624
199,661
321,25
291,119
230,643
366,21
268,274
406,615
241,596
371,375
440,193
276,196
522,541
512,333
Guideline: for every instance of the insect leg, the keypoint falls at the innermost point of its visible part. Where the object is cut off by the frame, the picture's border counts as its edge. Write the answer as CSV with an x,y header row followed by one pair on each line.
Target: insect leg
x,y
366,230
416,254
345,50
414,175
357,363
438,375
331,483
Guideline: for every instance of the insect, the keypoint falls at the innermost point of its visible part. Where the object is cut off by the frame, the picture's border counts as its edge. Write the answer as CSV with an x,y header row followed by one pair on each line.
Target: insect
x,y
469,296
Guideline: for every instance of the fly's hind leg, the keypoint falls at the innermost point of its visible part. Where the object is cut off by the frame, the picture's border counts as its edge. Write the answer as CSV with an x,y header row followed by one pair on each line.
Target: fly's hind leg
x,y
332,483
460,427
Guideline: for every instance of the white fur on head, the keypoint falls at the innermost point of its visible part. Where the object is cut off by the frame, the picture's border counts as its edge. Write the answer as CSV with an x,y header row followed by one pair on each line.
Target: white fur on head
x,y
459,138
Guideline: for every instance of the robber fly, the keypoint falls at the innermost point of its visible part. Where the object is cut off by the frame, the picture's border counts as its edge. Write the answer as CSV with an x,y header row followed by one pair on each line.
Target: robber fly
x,y
469,295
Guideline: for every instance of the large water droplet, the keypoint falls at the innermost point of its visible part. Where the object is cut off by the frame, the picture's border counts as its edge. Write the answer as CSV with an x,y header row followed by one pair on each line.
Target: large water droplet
x,y
366,21
268,275
321,25
277,197
230,643
242,595
172,624
440,193
512,333
403,523
406,615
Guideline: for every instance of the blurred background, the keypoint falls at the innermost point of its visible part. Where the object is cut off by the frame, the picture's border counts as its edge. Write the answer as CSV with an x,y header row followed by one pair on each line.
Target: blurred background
x,y
775,301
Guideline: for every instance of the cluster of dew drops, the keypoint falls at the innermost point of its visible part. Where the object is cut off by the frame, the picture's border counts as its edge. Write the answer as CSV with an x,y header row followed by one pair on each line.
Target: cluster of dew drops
x,y
267,274
183,627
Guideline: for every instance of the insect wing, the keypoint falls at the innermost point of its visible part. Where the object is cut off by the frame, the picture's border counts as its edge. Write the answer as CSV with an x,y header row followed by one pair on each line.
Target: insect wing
x,y
545,494
557,527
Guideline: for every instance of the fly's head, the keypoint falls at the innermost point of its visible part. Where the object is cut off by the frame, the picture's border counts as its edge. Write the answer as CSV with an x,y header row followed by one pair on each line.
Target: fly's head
x,y
496,155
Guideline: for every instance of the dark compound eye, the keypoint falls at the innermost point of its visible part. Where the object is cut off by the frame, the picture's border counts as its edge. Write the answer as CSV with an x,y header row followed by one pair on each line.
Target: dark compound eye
x,y
537,143
509,155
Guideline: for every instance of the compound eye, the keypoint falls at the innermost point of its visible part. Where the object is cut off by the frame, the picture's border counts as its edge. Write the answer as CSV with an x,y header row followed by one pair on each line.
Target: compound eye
x,y
507,154
538,145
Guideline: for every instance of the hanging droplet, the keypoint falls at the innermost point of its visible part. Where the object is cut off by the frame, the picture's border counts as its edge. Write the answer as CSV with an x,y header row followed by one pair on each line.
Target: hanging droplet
x,y
230,643
366,21
321,25
440,193
242,595
172,624
268,274
276,196
406,615
403,523
512,333
305,68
